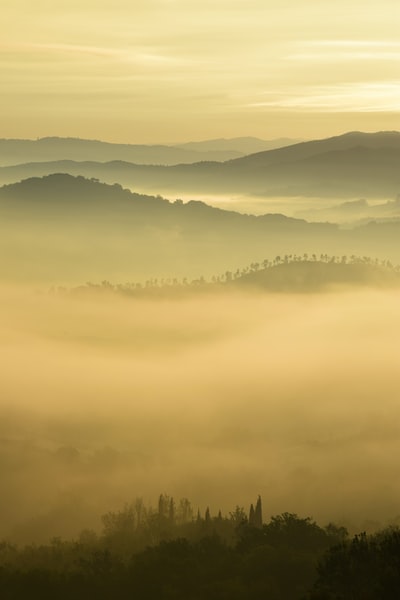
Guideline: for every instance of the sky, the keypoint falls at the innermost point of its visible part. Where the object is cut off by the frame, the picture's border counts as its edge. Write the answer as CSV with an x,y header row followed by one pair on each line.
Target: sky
x,y
166,71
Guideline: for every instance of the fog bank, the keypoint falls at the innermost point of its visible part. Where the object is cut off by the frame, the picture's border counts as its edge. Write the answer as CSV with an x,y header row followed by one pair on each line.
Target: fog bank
x,y
216,398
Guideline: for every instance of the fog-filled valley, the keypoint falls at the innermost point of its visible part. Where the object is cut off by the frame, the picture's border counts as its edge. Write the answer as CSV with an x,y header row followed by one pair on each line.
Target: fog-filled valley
x,y
196,348
199,300
62,229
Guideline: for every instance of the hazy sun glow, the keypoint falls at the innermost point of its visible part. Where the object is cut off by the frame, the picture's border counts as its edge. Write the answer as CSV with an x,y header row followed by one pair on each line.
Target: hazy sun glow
x,y
172,70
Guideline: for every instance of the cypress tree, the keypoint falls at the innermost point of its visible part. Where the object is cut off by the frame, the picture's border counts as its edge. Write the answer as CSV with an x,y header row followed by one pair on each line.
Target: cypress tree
x,y
171,512
161,506
251,515
258,514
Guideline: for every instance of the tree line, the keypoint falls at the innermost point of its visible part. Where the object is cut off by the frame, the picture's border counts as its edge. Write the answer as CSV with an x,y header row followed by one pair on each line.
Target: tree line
x,y
174,552
155,286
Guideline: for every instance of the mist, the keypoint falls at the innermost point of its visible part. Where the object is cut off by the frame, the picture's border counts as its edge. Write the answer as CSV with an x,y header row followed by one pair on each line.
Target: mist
x,y
216,397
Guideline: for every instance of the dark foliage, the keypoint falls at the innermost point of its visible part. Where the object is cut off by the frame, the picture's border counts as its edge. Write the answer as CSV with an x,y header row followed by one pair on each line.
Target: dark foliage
x,y
213,558
365,568
217,558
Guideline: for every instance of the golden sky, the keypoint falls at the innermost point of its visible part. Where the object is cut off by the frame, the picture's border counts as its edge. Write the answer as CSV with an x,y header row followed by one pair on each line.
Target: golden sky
x,y
178,70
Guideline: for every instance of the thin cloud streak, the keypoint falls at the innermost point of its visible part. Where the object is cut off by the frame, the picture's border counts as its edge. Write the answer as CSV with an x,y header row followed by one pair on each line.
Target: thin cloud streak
x,y
345,50
353,43
364,97
345,56
118,54
180,54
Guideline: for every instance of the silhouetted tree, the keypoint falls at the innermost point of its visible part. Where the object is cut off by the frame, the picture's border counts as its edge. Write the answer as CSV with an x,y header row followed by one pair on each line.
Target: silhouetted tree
x,y
258,521
367,568
171,511
251,515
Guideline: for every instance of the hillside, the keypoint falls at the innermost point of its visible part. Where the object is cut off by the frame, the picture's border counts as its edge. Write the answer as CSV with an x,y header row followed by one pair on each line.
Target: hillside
x,y
347,166
17,151
354,212
63,228
61,194
245,145
346,141
287,274
305,275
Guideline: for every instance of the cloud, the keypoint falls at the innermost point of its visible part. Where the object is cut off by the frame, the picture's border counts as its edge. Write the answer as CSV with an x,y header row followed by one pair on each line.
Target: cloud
x,y
141,56
353,43
345,50
345,55
379,96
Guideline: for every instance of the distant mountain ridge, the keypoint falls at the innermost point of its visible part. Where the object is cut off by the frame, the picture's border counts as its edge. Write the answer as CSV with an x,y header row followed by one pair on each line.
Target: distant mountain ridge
x,y
307,149
18,151
246,145
352,165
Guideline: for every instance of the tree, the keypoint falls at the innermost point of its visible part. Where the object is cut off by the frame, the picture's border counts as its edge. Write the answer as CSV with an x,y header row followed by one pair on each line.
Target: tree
x,y
258,521
251,515
171,511
185,511
238,516
161,506
365,568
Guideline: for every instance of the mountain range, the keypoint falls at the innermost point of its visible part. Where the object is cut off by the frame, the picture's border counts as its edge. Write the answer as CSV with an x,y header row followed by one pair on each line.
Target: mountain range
x,y
347,166
244,145
17,151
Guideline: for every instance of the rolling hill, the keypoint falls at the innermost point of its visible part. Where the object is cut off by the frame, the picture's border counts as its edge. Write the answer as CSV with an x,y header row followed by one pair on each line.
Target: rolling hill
x,y
287,274
17,151
347,166
61,228
244,145
307,275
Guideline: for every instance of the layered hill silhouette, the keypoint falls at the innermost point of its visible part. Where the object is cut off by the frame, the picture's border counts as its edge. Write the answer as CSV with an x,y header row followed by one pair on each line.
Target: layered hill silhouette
x,y
245,145
287,274
67,228
63,197
352,165
354,212
17,151
305,275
